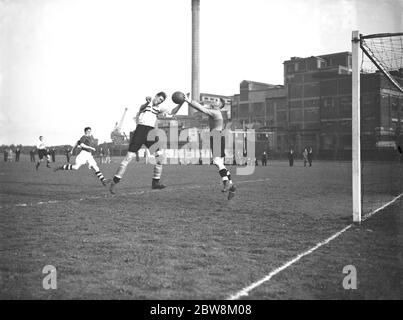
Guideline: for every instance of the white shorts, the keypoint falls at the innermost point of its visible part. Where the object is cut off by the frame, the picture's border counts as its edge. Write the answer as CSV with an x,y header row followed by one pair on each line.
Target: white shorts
x,y
86,157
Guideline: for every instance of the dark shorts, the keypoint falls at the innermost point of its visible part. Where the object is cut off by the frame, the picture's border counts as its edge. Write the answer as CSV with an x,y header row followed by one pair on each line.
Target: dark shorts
x,y
42,153
219,151
139,138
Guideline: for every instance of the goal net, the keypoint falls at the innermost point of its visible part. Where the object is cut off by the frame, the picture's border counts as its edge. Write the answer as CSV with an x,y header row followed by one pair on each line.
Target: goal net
x,y
377,121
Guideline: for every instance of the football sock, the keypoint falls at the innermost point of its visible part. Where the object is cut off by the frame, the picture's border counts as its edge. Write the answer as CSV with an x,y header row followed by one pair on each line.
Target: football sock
x,y
123,165
157,171
100,175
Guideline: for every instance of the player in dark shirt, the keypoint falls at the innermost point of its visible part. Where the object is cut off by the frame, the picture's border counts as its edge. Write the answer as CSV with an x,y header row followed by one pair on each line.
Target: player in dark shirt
x,y
87,146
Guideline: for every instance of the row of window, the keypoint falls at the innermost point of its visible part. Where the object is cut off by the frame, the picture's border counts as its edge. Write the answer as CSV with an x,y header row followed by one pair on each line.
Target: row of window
x,y
323,88
227,101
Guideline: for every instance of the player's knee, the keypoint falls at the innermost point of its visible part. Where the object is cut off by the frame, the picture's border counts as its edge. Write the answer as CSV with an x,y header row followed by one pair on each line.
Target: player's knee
x,y
159,157
130,156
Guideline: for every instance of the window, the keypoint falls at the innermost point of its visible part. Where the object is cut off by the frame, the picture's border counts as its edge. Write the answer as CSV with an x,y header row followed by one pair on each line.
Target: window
x,y
328,102
328,88
327,110
312,63
346,142
312,125
296,104
269,108
394,107
244,96
327,142
311,103
295,91
290,68
234,111
300,66
243,110
311,114
311,90
345,126
281,103
258,108
345,86
296,115
281,116
345,107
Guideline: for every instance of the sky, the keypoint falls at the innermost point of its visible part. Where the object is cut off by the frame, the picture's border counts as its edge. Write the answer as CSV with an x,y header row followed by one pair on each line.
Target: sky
x,y
68,64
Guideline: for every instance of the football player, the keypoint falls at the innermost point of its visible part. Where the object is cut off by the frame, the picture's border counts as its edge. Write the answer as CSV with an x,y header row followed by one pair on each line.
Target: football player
x,y
87,146
216,125
42,153
146,121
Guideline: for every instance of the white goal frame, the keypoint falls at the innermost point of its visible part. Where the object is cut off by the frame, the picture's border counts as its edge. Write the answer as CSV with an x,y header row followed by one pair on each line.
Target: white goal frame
x,y
357,51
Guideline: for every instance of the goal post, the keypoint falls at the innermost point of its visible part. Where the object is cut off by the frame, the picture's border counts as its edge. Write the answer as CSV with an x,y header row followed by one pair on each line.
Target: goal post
x,y
356,126
384,53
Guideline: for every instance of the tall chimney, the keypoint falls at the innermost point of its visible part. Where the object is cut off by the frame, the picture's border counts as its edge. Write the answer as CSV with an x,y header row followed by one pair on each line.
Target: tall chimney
x,y
195,53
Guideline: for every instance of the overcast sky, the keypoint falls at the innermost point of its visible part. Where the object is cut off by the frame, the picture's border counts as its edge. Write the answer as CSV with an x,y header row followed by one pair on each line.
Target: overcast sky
x,y
68,64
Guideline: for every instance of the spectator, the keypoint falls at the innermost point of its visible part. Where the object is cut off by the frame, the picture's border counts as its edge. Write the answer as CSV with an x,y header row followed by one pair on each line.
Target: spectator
x,y
108,156
53,154
10,155
264,158
305,156
310,155
101,155
17,154
32,155
67,153
291,157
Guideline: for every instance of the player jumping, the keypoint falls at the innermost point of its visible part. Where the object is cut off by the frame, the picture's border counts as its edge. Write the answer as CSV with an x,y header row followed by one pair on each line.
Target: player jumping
x,y
216,125
86,143
147,120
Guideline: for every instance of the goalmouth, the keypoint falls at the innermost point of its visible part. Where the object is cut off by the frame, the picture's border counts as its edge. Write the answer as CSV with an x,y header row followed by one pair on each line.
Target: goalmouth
x,y
385,53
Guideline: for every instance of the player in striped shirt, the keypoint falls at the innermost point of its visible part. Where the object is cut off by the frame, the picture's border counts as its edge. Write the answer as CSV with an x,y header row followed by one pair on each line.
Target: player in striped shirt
x,y
147,120
87,146
42,153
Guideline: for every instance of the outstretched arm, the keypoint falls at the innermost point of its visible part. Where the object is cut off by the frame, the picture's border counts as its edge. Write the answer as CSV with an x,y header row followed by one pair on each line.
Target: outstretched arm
x,y
143,106
175,110
194,104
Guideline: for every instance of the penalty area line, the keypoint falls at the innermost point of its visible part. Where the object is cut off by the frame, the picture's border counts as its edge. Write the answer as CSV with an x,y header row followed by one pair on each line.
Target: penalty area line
x,y
368,215
133,193
245,291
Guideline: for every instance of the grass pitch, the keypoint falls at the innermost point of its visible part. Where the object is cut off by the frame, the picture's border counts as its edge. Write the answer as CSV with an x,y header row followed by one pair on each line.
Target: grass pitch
x,y
188,241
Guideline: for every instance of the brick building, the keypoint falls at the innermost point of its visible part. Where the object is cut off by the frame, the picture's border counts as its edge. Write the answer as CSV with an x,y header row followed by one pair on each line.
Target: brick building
x,y
313,108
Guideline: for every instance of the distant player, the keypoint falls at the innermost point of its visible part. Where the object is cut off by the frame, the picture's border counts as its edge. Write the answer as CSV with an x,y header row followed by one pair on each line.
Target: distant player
x,y
146,121
216,124
42,153
87,146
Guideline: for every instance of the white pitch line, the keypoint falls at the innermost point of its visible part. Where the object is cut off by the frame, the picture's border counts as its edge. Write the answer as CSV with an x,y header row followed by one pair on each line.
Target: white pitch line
x,y
140,192
248,181
245,291
381,208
